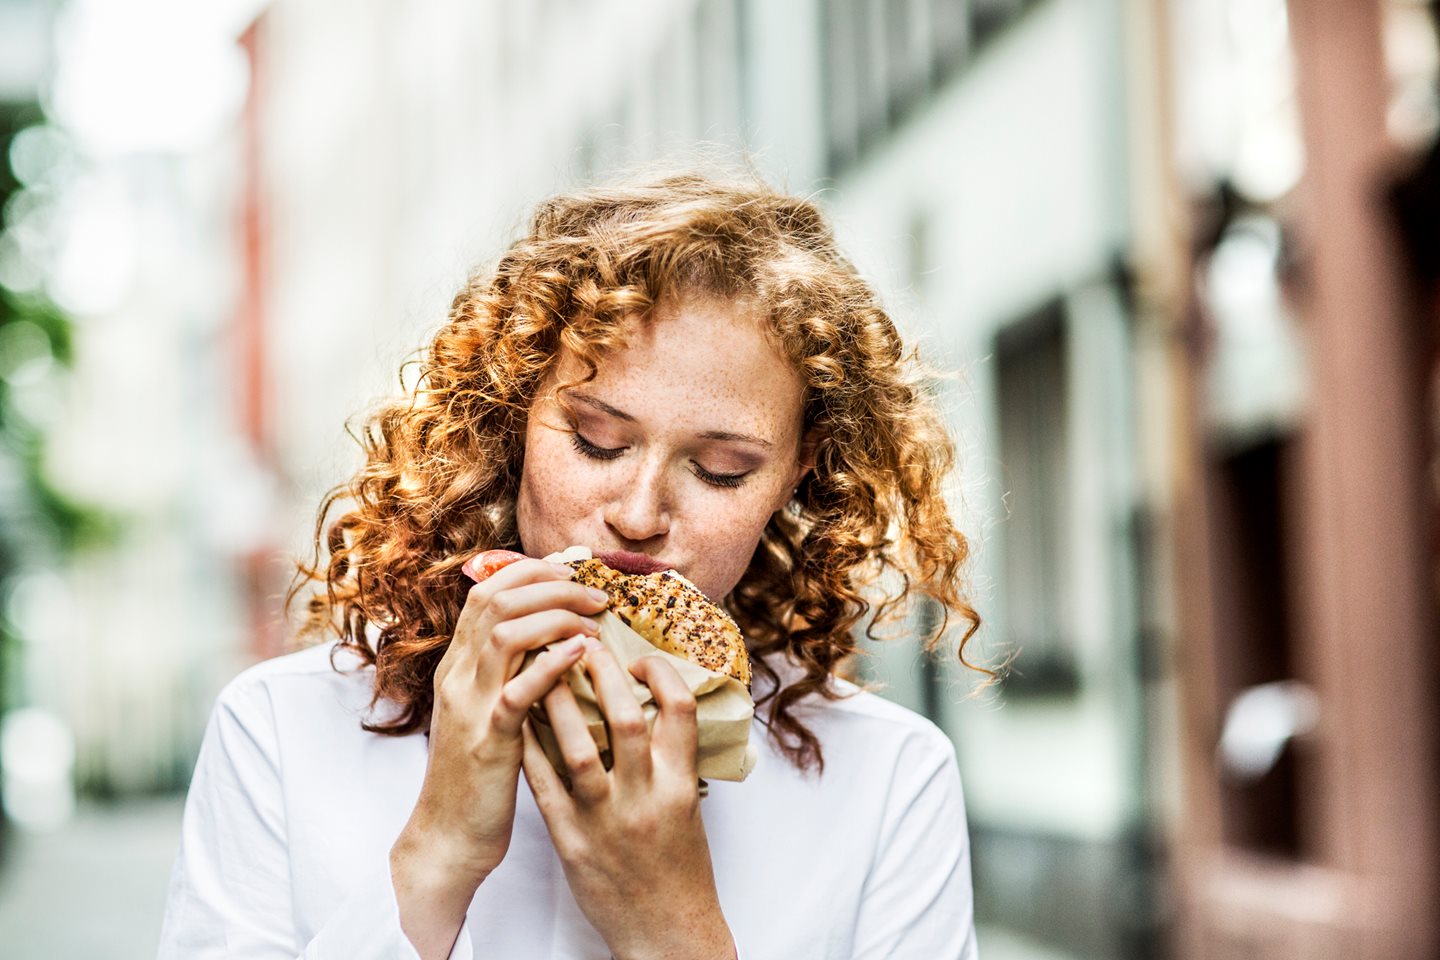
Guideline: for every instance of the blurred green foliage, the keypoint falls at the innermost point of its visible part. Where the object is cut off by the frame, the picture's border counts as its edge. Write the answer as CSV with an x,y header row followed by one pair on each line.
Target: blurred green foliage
x,y
39,523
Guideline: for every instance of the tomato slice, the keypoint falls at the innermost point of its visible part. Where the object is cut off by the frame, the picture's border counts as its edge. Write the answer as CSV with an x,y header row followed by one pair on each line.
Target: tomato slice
x,y
484,565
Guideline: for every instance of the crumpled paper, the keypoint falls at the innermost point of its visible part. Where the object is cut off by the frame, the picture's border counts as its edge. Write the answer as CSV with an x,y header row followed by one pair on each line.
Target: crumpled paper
x,y
723,706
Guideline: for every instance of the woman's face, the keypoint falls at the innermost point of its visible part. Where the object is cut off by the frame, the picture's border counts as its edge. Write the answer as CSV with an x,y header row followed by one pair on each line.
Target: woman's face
x,y
681,448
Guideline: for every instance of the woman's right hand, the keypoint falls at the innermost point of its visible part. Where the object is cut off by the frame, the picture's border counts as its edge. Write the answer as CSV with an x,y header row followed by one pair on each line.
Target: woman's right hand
x,y
459,830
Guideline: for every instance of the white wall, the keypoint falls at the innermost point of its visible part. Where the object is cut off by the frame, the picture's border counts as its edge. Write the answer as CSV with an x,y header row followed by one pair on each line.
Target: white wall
x,y
1017,172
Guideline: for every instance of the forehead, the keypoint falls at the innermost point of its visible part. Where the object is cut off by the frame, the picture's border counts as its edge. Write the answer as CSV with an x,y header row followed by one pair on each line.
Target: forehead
x,y
697,360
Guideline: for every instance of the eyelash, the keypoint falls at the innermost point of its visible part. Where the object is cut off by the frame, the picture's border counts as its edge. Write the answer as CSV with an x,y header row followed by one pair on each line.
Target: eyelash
x,y
593,452
588,449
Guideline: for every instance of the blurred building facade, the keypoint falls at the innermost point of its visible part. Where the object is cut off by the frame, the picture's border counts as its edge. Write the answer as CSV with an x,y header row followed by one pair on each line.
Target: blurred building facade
x,y
1302,317
989,196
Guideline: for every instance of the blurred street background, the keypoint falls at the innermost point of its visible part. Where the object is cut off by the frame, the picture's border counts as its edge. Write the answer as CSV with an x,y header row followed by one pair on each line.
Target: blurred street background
x,y
1184,254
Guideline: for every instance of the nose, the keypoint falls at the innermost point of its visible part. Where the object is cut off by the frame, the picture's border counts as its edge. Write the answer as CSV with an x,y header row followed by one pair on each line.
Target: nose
x,y
639,509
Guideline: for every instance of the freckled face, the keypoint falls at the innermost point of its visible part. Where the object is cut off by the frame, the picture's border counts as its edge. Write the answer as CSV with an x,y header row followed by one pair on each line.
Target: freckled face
x,y
682,447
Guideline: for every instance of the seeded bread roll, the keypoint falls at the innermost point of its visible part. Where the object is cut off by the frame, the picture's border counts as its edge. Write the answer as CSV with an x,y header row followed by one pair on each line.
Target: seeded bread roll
x,y
673,615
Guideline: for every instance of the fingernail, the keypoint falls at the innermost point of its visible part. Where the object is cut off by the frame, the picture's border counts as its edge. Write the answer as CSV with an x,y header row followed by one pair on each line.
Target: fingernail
x,y
600,596
570,647
563,570
590,624
592,644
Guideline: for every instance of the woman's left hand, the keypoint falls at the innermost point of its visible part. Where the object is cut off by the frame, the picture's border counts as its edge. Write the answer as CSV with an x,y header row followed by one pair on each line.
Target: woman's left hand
x,y
631,839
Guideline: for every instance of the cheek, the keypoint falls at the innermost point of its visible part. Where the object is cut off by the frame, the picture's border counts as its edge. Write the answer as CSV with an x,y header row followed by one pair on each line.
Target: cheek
x,y
729,534
554,494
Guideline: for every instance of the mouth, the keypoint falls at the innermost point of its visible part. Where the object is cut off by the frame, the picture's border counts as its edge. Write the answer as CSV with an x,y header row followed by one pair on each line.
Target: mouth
x,y
627,562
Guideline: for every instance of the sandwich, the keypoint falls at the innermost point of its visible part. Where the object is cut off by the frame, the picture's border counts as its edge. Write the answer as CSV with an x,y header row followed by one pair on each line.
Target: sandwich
x,y
666,610
658,609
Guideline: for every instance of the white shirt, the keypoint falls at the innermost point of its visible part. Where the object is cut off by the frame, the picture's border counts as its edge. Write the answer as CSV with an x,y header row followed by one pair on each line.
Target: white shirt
x,y
293,808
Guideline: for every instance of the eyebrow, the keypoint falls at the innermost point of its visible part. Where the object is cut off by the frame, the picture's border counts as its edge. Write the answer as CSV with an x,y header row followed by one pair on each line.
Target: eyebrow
x,y
619,414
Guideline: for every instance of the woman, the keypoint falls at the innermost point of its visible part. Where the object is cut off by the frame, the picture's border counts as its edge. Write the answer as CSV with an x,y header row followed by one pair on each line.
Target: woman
x,y
682,372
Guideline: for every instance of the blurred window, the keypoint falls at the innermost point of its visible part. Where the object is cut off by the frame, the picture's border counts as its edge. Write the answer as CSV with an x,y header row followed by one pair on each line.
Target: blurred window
x,y
874,80
1250,505
840,57
988,17
1035,463
1412,60
908,55
884,58
949,34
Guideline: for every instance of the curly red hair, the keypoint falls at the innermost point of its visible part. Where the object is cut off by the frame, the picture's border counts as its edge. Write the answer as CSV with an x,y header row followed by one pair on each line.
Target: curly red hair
x,y
443,463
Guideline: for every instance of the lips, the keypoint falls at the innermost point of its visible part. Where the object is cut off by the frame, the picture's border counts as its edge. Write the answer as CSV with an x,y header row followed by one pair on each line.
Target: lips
x,y
627,562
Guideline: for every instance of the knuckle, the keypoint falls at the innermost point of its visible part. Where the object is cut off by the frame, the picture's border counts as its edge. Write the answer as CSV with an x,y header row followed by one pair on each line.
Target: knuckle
x,y
680,795
448,691
481,749
504,634
509,704
585,764
684,706
478,596
572,846
503,606
630,725
642,823
499,725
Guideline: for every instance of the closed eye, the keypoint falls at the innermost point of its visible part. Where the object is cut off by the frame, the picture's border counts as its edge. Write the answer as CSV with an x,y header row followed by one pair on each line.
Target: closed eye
x,y
594,452
720,479
590,450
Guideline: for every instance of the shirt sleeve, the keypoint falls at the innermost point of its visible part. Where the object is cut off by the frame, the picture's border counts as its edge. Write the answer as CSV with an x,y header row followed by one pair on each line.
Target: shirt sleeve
x,y
918,903
229,893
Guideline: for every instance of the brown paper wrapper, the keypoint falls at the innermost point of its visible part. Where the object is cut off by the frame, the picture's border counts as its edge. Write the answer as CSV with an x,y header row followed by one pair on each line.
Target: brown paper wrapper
x,y
723,707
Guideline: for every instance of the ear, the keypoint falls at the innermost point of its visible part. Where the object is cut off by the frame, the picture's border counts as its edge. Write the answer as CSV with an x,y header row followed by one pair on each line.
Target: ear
x,y
804,463
809,447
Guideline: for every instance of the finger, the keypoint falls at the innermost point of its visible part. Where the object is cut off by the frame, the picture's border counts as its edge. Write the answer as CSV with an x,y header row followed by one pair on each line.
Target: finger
x,y
674,739
532,683
471,627
500,659
545,783
588,779
629,736
509,577
515,602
